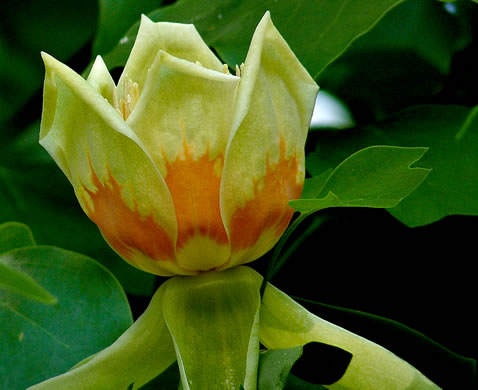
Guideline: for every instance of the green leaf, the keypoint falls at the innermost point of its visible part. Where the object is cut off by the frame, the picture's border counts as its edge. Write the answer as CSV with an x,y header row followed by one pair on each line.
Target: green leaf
x,y
275,365
61,28
317,363
377,176
41,341
317,32
15,235
450,188
213,320
115,17
471,122
21,283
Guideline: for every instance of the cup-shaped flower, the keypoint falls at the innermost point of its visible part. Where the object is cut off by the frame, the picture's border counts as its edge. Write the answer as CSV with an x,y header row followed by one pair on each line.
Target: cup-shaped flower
x,y
183,166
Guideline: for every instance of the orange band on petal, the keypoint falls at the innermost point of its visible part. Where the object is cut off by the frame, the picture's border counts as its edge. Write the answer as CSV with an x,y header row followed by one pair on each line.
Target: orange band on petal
x,y
126,230
267,212
194,185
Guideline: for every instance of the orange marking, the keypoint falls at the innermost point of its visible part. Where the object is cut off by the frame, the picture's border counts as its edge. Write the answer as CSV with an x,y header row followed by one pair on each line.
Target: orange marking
x,y
268,209
125,229
195,187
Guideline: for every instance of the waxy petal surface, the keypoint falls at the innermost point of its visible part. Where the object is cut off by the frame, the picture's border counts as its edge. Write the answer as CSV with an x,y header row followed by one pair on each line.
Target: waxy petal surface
x,y
264,165
100,79
115,180
184,117
213,320
284,324
180,40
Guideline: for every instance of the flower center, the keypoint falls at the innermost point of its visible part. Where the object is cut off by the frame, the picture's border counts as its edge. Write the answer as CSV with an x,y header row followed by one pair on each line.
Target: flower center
x,y
125,104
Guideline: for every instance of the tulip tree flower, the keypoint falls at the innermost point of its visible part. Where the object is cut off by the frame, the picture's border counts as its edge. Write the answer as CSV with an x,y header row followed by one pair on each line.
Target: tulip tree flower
x,y
187,170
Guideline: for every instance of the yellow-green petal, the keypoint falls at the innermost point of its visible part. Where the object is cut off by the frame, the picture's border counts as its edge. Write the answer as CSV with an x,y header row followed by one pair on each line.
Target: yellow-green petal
x,y
284,323
180,40
100,79
115,180
264,166
213,320
139,355
184,116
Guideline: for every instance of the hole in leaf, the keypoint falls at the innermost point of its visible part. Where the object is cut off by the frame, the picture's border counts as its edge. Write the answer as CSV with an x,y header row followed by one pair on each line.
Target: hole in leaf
x,y
321,363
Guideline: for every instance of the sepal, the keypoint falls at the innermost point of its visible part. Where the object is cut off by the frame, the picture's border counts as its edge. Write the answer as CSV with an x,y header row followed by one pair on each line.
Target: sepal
x,y
139,355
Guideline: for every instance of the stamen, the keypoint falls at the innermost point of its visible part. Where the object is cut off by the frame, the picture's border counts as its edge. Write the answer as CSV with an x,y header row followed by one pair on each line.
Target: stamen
x,y
238,71
126,104
225,69
135,93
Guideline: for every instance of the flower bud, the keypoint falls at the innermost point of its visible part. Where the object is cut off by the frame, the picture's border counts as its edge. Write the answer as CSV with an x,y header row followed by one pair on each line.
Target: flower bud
x,y
183,166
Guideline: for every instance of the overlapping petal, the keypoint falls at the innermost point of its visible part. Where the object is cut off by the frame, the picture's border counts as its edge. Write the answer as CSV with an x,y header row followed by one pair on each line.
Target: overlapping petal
x,y
184,167
264,166
180,40
115,180
184,117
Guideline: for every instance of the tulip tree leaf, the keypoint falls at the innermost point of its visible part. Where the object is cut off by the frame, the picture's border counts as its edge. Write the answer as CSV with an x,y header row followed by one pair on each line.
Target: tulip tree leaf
x,y
453,157
317,32
377,176
40,341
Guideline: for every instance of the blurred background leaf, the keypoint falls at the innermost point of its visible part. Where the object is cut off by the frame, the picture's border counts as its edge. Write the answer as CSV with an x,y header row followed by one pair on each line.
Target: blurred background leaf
x,y
115,17
31,26
317,31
